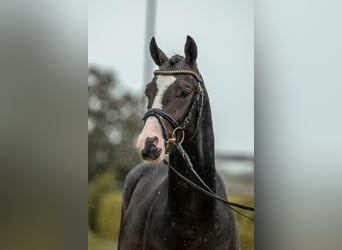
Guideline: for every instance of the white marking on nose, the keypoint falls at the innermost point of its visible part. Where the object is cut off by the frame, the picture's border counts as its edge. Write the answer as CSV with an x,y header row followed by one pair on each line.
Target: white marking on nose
x,y
163,83
152,127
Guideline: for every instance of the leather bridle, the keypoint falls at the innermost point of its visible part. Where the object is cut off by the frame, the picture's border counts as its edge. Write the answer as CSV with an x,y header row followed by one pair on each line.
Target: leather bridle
x,y
179,128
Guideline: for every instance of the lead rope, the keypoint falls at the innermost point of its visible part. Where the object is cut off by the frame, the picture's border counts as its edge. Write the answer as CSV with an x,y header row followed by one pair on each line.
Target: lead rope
x,y
209,191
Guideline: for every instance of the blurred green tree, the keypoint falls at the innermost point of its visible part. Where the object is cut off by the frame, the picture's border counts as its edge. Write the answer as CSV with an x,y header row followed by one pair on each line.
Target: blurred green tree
x,y
114,121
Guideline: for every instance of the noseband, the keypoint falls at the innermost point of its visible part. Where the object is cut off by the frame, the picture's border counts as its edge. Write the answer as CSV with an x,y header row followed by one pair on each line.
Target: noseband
x,y
197,104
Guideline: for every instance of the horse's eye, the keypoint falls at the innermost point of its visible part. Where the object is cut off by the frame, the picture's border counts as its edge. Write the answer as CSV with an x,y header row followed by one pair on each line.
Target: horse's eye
x,y
185,93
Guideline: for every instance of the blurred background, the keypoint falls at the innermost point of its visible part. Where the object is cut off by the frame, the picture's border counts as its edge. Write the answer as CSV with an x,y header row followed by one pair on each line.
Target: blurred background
x,y
119,66
44,170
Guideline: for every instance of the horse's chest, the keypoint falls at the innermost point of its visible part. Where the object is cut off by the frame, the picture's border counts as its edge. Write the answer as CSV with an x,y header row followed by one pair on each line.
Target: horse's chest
x,y
142,222
161,228
152,221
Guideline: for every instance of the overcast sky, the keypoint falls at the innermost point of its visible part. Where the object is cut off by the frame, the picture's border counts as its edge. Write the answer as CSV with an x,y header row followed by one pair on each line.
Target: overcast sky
x,y
224,33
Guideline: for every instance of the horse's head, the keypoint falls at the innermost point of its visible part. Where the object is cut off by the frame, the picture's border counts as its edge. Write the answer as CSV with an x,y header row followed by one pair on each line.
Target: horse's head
x,y
171,95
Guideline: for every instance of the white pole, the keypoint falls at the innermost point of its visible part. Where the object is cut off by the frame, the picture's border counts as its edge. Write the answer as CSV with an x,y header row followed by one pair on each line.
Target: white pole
x,y
149,32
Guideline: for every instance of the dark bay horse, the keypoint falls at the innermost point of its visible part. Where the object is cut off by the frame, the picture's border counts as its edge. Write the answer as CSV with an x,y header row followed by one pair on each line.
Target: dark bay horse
x,y
160,210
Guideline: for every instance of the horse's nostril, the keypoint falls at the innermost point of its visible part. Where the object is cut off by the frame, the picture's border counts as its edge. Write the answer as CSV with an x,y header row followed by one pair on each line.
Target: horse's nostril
x,y
151,151
155,140
144,154
151,140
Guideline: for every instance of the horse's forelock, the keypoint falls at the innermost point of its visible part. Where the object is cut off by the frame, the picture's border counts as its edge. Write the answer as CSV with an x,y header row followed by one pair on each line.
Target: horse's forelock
x,y
178,62
175,59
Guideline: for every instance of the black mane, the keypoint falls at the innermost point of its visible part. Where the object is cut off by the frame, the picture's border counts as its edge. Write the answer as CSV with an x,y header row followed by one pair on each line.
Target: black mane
x,y
175,59
177,62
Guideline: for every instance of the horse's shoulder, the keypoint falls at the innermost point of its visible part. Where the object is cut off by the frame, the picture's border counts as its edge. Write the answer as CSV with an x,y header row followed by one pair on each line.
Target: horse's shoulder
x,y
220,184
131,181
136,172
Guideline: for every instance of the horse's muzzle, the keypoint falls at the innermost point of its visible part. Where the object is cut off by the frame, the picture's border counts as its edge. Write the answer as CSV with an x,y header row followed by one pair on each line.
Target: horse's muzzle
x,y
151,152
151,144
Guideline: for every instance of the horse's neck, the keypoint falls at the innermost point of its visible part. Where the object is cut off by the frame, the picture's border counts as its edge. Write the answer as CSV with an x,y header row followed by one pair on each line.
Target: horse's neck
x,y
202,154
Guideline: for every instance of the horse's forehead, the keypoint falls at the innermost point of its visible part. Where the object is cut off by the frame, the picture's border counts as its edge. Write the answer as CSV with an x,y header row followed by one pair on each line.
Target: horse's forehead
x,y
162,83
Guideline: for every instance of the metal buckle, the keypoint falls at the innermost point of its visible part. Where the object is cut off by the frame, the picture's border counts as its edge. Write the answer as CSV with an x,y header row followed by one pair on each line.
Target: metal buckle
x,y
173,138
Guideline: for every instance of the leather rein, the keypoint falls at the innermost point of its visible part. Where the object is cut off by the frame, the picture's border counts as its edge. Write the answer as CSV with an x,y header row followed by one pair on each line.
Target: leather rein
x,y
178,134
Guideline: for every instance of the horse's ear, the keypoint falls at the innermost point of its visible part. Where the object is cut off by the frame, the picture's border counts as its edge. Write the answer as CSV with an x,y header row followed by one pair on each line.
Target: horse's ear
x,y
157,54
190,50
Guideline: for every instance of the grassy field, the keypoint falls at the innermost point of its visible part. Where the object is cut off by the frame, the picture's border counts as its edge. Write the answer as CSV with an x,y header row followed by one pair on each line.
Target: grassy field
x,y
246,227
96,242
108,216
